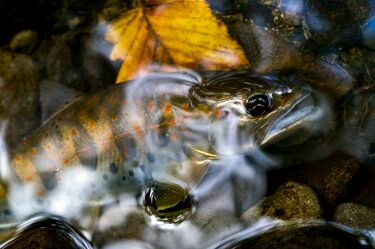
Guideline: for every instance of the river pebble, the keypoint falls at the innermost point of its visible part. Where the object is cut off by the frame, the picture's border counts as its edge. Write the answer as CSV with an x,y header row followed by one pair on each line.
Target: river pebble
x,y
355,215
331,178
19,78
292,200
24,41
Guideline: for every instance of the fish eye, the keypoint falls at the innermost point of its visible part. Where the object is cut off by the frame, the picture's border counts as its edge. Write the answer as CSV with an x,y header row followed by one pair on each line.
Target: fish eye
x,y
258,104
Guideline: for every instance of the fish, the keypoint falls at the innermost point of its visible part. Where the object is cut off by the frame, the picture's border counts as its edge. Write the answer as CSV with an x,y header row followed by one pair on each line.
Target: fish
x,y
167,126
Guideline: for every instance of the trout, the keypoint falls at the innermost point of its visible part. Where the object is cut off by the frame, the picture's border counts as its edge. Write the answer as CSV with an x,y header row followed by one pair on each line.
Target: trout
x,y
126,135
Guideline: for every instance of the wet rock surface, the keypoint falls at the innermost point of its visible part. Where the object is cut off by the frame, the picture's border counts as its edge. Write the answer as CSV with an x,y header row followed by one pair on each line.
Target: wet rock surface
x,y
19,104
355,215
129,225
292,201
300,236
24,41
365,189
331,178
71,59
47,233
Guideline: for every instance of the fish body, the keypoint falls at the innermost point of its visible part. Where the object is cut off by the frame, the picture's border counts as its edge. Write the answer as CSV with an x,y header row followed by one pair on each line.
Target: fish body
x,y
118,139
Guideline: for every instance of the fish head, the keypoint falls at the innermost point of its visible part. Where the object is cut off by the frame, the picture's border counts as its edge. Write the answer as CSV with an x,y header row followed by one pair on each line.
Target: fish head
x,y
263,112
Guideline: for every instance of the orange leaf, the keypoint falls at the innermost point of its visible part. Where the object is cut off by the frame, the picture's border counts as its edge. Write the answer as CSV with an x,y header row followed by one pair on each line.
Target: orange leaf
x,y
172,34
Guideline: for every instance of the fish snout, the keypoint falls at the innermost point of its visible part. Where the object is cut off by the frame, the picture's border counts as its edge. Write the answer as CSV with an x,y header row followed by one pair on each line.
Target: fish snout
x,y
308,117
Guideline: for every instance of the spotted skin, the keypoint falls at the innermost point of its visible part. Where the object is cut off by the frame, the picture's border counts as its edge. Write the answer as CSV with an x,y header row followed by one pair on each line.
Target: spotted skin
x,y
96,131
130,133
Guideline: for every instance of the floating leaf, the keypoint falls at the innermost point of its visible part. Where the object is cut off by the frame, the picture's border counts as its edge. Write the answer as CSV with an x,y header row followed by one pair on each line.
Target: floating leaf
x,y
172,34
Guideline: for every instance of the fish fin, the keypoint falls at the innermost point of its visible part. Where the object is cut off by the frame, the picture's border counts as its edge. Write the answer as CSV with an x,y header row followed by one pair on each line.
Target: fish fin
x,y
55,97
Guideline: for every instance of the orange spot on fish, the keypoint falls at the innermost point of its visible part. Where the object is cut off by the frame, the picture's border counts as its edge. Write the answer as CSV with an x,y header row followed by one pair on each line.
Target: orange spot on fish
x,y
74,132
91,123
18,158
40,193
33,151
185,107
167,108
218,113
66,162
138,130
29,178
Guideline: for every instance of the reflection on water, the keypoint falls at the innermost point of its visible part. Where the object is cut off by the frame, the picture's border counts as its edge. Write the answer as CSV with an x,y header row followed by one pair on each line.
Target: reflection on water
x,y
126,138
167,202
183,159
46,232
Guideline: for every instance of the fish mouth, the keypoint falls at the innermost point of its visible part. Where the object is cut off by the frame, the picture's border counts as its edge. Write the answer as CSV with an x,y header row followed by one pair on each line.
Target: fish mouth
x,y
308,117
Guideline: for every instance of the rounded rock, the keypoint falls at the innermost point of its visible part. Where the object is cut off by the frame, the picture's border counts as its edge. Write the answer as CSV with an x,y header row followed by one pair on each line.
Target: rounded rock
x,y
355,215
24,41
47,233
119,223
312,235
293,201
19,83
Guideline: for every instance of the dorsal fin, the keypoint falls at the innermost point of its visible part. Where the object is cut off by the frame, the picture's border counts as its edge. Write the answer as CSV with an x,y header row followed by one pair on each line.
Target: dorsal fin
x,y
55,97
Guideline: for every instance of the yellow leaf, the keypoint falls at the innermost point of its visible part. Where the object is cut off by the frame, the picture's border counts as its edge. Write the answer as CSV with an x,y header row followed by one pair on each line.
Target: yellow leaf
x,y
172,34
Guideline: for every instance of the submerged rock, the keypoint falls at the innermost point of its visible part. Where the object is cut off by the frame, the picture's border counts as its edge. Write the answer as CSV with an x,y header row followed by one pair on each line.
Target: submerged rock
x,y
24,41
334,22
293,201
331,178
19,102
365,191
297,235
355,215
46,233
269,52
119,223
